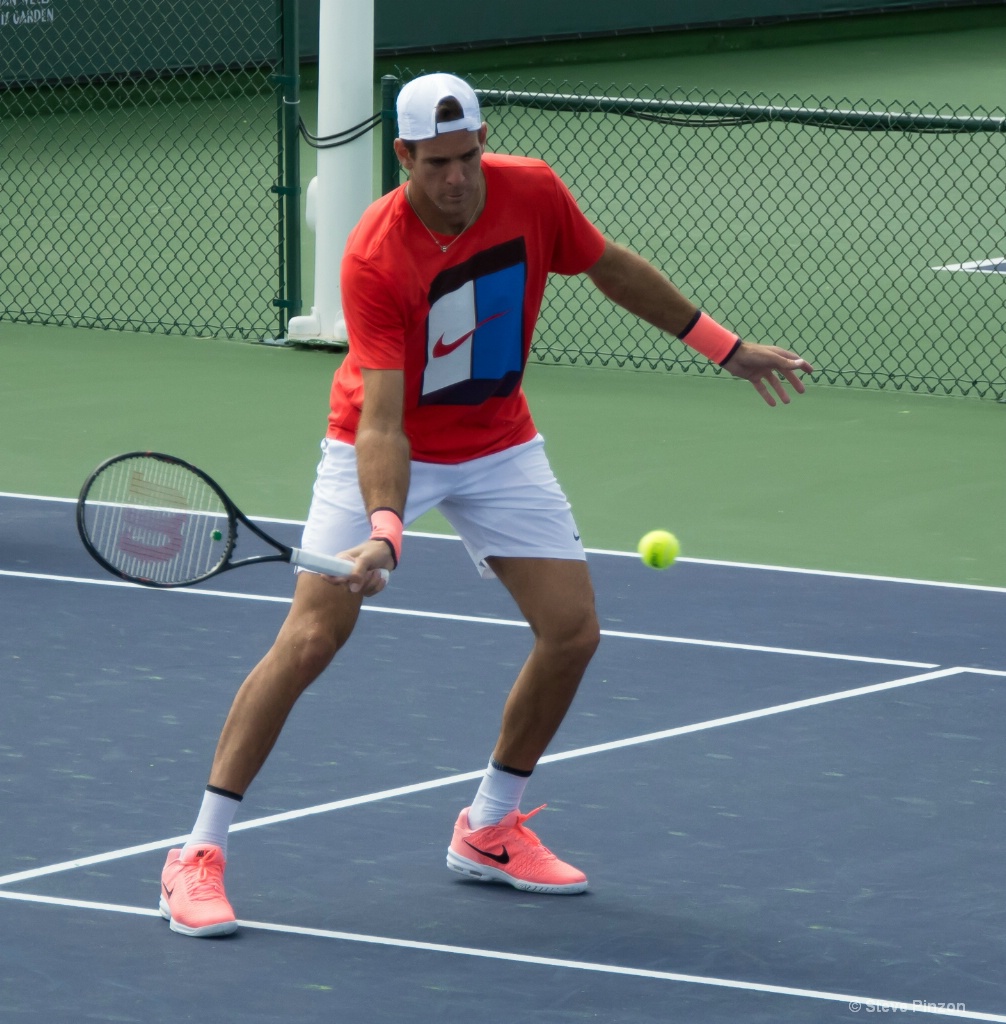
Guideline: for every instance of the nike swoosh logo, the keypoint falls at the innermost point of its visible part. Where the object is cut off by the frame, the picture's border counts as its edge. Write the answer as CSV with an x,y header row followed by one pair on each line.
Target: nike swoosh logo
x,y
442,348
500,858
167,892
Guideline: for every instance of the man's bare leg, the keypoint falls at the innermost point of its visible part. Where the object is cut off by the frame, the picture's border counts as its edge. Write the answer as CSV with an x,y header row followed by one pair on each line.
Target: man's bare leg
x,y
556,597
320,621
490,842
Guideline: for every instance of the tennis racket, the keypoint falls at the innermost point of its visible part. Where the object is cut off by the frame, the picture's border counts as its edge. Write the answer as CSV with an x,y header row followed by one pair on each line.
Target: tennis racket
x,y
157,520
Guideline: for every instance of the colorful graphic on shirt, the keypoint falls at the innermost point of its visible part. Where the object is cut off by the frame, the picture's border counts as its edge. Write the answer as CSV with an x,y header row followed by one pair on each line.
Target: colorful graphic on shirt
x,y
475,328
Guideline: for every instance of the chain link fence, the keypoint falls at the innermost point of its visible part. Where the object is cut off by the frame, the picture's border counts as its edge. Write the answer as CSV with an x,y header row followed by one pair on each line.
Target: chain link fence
x,y
144,166
162,194
838,230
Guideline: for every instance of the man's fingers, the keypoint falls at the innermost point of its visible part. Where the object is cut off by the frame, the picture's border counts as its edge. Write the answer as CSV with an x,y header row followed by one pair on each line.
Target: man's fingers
x,y
795,381
779,388
371,582
759,386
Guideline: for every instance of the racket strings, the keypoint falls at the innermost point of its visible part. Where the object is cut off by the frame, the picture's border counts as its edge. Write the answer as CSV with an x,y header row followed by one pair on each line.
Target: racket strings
x,y
156,520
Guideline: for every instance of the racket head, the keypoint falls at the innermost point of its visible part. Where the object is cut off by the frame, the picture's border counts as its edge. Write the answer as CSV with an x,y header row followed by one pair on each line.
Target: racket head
x,y
157,520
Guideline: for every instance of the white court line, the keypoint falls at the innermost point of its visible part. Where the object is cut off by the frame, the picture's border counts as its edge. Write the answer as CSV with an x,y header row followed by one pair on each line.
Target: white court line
x,y
748,716
631,554
94,582
489,621
38,497
60,901
243,826
867,577
450,780
860,1002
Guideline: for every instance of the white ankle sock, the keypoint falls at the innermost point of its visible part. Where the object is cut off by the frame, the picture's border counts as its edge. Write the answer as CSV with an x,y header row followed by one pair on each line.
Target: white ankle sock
x,y
214,820
499,793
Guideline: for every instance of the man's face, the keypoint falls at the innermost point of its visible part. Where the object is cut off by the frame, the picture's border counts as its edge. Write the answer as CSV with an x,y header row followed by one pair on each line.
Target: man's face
x,y
445,172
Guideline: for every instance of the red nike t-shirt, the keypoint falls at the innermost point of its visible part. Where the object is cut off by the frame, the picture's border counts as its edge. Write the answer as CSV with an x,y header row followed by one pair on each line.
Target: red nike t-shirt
x,y
459,324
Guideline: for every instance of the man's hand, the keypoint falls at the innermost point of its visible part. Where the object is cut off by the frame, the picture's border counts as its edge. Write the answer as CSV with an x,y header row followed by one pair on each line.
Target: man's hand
x,y
769,366
368,559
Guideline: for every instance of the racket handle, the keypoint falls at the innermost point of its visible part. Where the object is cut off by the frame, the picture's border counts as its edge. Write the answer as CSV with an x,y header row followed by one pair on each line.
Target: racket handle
x,y
325,564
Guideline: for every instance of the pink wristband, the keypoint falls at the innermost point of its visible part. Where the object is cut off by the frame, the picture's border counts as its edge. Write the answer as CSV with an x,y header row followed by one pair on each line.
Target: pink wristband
x,y
386,525
705,335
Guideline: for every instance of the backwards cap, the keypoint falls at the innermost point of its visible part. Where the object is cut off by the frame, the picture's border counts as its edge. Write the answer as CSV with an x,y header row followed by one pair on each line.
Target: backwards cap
x,y
417,107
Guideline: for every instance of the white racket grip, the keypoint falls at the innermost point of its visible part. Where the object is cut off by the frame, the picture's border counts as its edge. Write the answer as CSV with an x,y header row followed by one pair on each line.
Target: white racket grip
x,y
326,564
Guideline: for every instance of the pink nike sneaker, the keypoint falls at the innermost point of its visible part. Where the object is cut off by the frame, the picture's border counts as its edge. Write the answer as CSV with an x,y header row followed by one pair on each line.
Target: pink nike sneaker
x,y
192,892
509,852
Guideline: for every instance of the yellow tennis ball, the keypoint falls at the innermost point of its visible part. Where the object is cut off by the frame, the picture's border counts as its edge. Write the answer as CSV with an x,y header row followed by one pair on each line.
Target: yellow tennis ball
x,y
658,549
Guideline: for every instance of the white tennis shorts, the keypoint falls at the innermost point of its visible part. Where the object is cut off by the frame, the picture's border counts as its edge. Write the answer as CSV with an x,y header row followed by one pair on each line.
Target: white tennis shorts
x,y
507,504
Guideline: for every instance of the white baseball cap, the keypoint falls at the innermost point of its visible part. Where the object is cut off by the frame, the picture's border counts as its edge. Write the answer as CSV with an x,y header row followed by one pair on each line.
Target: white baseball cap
x,y
417,107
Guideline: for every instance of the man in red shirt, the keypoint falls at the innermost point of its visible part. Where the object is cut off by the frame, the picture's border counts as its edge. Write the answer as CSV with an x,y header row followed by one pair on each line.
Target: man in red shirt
x,y
442,283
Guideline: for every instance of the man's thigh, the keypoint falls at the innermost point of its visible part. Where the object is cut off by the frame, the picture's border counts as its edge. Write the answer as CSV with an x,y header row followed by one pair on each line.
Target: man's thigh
x,y
555,595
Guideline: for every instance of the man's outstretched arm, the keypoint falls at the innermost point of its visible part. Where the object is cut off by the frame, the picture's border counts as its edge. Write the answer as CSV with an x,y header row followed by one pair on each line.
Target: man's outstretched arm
x,y
633,283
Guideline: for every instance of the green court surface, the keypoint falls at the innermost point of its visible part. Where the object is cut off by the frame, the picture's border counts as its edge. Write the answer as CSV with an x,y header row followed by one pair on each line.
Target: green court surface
x,y
842,479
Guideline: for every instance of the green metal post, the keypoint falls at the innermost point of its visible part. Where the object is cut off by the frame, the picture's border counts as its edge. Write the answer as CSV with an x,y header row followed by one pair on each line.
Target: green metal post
x,y
289,80
389,162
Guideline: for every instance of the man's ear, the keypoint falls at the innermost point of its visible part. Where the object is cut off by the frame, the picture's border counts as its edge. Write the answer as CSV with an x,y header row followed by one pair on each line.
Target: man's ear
x,y
403,154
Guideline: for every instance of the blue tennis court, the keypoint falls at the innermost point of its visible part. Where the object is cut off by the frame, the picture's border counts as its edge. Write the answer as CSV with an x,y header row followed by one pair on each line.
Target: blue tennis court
x,y
784,786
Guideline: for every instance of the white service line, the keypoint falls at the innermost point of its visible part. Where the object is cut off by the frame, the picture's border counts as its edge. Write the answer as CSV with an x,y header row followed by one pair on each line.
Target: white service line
x,y
450,780
630,554
489,621
831,573
748,716
94,582
855,1003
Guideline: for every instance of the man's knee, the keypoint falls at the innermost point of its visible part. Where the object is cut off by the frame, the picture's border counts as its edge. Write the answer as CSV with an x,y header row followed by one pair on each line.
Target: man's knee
x,y
575,636
319,624
311,647
588,635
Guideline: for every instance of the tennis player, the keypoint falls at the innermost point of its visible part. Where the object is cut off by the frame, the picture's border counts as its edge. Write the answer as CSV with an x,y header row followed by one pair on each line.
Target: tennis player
x,y
442,282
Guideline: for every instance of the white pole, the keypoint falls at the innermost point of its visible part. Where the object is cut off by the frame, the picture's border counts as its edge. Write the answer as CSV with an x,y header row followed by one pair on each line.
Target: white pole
x,y
344,185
